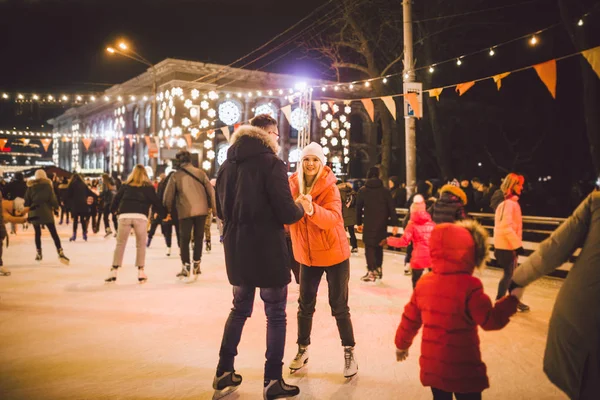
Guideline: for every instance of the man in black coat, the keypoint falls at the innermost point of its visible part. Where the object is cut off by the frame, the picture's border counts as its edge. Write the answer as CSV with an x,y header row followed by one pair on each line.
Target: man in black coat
x,y
378,206
254,202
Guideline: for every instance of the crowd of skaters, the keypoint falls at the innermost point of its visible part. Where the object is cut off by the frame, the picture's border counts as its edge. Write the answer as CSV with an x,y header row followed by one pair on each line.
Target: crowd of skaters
x,y
299,223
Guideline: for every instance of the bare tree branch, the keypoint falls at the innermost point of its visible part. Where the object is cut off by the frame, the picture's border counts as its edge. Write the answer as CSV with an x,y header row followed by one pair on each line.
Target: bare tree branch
x,y
390,65
356,67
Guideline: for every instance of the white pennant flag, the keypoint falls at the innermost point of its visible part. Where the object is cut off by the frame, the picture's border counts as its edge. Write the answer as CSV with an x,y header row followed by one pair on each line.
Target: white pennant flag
x,y
318,108
390,104
287,111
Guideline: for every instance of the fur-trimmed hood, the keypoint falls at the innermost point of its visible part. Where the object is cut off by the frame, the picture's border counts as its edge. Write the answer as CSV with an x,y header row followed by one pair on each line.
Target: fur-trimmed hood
x,y
456,191
33,182
256,133
458,248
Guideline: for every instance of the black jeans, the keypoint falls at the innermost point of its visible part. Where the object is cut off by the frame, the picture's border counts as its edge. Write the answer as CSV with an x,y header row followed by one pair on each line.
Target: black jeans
x,y
105,215
337,282
353,241
408,256
186,226
374,255
275,300
295,265
441,395
64,210
416,275
167,230
53,233
84,218
507,260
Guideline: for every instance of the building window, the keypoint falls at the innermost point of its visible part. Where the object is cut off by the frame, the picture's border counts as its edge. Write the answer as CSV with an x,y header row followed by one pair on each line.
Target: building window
x,y
148,117
136,119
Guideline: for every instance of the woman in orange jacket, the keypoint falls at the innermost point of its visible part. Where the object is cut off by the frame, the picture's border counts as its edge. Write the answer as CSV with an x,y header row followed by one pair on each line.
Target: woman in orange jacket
x,y
320,246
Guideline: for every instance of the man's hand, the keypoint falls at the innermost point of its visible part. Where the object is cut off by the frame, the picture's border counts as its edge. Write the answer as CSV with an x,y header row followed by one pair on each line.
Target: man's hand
x,y
167,218
395,230
401,355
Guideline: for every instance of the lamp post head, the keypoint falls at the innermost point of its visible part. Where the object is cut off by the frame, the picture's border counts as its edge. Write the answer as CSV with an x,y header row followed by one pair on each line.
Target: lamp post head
x,y
122,46
110,50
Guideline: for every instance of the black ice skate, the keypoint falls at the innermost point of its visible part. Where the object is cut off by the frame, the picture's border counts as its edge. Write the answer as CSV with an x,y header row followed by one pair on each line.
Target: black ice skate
x,y
226,384
185,271
62,258
4,271
38,256
278,389
113,275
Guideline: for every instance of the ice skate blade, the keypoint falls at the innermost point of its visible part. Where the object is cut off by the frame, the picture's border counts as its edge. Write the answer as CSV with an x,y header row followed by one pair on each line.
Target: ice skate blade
x,y
4,273
219,394
65,262
351,376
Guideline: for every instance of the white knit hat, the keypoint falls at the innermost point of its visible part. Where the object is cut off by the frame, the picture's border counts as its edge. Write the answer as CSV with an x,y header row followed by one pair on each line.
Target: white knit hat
x,y
40,174
313,149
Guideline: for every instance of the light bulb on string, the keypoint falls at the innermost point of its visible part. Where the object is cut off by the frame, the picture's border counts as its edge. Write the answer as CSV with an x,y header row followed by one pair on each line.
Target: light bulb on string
x,y
492,52
4,96
458,62
93,98
323,88
431,69
78,98
533,41
367,84
384,80
336,88
351,86
580,22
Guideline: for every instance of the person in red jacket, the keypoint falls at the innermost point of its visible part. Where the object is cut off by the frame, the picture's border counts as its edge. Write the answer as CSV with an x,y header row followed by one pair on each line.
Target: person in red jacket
x,y
418,231
450,304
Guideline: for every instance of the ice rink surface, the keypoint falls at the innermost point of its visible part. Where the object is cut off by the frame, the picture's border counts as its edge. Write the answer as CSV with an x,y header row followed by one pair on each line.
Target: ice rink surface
x,y
65,334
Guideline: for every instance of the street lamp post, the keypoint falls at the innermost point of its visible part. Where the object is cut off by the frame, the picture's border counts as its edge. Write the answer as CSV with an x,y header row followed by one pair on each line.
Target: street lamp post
x,y
123,50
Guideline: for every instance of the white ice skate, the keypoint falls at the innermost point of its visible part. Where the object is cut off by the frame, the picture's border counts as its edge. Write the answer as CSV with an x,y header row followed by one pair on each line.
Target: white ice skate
x,y
300,360
350,365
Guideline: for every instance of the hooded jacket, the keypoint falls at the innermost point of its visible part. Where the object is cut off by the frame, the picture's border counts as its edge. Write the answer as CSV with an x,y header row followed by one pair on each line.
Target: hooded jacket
x,y
375,201
254,202
451,205
418,231
508,225
191,197
77,197
319,240
41,199
450,356
349,213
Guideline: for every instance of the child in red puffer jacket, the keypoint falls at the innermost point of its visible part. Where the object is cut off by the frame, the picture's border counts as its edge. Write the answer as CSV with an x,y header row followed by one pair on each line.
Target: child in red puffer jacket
x,y
450,304
418,231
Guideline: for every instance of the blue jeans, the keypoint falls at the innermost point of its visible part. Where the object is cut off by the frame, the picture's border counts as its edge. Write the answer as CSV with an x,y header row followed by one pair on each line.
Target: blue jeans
x,y
275,300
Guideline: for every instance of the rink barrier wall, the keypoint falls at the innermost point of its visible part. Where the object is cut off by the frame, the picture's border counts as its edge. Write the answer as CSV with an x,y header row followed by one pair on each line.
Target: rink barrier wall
x,y
535,231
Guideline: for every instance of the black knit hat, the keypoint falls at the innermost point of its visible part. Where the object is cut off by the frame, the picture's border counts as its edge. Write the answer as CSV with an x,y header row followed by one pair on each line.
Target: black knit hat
x,y
373,173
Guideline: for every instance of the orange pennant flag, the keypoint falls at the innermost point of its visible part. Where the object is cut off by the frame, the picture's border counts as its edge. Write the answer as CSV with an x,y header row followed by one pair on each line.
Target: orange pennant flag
x,y
3,143
547,73
498,79
593,57
331,103
390,104
368,103
86,143
46,143
147,139
436,93
462,88
413,100
188,139
25,141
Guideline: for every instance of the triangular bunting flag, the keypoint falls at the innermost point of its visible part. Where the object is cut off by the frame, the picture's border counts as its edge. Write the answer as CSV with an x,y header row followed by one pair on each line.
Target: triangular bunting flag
x,y
331,103
390,104
188,139
498,79
236,126
436,93
413,100
547,73
3,143
46,143
226,132
86,143
462,88
593,57
25,141
368,103
287,111
347,102
318,108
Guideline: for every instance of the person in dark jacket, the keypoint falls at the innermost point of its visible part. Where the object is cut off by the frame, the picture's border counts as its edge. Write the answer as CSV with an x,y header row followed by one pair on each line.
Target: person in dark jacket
x,y
375,201
63,199
132,202
189,189
40,201
349,212
398,191
450,207
166,225
254,202
109,190
572,356
78,195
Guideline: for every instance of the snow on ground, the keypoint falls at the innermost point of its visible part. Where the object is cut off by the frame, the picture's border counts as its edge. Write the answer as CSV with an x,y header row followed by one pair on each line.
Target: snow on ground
x,y
65,334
